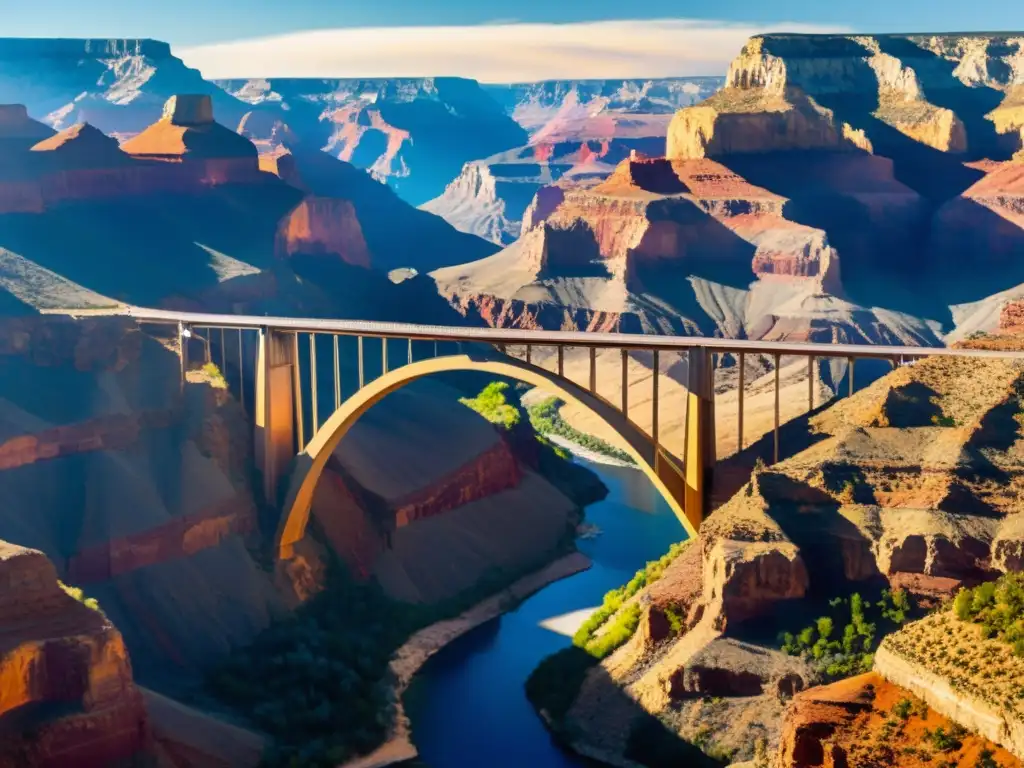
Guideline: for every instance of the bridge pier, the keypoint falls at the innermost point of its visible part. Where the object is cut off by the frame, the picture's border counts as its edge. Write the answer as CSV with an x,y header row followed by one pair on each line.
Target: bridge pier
x,y
700,433
274,411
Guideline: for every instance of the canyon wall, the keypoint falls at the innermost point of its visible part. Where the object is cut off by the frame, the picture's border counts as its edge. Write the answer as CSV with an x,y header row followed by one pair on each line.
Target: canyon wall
x,y
66,690
412,133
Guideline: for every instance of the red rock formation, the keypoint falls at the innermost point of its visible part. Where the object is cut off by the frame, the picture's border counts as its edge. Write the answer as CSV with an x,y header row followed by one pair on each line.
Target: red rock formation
x,y
323,225
66,691
188,135
844,725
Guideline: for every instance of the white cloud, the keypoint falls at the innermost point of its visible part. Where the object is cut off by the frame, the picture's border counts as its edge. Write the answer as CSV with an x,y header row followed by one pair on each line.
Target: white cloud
x,y
497,53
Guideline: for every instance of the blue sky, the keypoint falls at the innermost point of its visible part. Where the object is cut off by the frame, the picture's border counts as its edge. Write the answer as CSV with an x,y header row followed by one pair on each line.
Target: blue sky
x,y
492,40
193,22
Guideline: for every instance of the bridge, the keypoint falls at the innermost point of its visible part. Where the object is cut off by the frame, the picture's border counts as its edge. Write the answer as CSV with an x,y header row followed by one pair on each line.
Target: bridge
x,y
307,381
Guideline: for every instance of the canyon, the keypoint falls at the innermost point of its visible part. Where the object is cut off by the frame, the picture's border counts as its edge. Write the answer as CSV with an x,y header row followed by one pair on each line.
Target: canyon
x,y
578,131
412,133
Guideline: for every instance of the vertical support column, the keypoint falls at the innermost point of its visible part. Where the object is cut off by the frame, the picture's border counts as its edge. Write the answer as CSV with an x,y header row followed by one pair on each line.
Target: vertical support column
x,y
739,397
700,434
625,383
655,377
275,410
775,431
811,381
593,370
183,351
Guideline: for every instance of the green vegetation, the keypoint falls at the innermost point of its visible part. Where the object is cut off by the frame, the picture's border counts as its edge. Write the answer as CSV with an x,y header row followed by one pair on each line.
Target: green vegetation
x,y
492,403
942,740
843,644
903,708
546,420
318,681
79,595
620,623
216,377
998,606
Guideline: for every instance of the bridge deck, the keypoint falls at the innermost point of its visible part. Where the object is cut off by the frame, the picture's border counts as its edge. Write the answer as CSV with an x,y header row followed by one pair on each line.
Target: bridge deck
x,y
514,337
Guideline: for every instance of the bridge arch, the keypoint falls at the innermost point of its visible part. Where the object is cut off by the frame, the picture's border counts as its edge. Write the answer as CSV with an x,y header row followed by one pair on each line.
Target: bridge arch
x,y
663,471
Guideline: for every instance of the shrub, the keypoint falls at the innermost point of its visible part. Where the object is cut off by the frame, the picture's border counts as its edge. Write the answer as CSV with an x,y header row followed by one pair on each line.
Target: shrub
x,y
903,708
494,406
998,606
843,643
79,595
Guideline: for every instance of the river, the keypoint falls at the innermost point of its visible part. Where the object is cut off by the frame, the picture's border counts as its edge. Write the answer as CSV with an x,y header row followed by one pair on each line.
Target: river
x,y
467,705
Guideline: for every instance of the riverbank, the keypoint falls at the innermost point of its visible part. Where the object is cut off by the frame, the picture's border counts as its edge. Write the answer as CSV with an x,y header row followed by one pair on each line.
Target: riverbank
x,y
581,452
414,653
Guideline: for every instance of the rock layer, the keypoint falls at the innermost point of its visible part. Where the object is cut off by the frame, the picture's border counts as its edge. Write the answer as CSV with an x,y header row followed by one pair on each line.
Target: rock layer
x,y
65,677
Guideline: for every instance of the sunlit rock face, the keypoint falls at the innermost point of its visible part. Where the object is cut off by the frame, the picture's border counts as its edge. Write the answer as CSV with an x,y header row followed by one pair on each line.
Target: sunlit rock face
x,y
66,690
415,134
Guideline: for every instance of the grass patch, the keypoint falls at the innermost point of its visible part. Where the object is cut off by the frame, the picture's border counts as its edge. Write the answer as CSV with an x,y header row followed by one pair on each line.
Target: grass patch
x,y
547,421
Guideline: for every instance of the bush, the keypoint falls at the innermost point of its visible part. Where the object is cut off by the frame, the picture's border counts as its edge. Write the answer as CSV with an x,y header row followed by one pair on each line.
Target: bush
x,y
843,644
553,685
998,606
494,406
903,708
79,595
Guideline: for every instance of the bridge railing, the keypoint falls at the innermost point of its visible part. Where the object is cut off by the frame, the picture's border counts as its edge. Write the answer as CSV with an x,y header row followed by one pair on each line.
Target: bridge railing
x,y
690,395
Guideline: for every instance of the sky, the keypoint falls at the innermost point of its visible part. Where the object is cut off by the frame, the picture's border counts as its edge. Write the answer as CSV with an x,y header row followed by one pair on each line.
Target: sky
x,y
491,40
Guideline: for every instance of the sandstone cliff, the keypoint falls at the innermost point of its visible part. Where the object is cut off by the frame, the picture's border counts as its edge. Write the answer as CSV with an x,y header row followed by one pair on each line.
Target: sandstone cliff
x,y
66,690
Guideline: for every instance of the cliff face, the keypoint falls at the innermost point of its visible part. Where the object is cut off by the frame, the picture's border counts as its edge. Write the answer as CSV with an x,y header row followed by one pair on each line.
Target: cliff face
x,y
887,487
394,511
811,197
845,723
136,490
950,93
66,691
413,134
119,86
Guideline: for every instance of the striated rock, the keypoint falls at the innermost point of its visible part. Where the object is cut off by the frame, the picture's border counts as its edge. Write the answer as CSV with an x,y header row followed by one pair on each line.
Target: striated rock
x,y
579,131
415,134
65,676
843,91
118,85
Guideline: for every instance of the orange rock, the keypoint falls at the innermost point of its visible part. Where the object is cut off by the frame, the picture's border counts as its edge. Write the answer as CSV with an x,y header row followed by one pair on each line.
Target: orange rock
x,y
56,651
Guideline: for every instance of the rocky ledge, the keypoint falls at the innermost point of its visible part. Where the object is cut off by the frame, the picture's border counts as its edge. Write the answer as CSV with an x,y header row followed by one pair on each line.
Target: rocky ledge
x,y
66,690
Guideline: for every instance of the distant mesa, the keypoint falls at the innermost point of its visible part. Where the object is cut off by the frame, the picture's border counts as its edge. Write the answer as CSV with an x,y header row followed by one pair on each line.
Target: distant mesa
x,y
18,131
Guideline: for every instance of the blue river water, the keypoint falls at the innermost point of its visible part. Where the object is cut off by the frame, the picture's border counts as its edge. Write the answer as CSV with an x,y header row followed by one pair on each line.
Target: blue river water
x,y
467,705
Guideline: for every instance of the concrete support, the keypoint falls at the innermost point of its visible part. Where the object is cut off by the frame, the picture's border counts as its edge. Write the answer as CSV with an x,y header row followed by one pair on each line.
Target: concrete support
x,y
700,434
274,409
